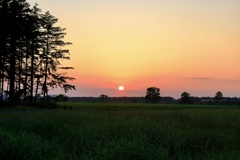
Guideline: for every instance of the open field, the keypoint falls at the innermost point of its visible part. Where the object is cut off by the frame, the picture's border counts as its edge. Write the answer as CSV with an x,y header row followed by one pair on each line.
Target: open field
x,y
121,131
138,106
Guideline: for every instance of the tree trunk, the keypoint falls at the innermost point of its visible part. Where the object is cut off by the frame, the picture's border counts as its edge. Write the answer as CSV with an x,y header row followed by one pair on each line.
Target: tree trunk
x,y
12,76
32,76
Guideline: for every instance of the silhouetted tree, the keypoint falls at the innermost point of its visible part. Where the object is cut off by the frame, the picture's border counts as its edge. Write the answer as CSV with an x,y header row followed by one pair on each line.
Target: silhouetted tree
x,y
218,96
15,18
185,98
60,98
103,97
4,47
52,54
152,95
31,47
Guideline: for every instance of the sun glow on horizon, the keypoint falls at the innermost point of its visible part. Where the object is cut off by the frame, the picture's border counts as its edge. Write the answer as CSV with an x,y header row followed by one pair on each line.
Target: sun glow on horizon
x,y
121,88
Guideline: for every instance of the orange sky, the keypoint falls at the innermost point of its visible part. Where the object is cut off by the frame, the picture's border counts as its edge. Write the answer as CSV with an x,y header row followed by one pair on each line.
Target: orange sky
x,y
176,46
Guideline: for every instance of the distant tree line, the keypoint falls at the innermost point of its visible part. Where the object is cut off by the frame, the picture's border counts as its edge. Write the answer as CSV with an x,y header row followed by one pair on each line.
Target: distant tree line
x,y
163,100
31,50
186,98
153,96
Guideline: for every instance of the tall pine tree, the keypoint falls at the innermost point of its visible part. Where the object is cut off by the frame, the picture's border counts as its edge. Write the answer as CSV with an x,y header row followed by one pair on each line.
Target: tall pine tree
x,y
31,47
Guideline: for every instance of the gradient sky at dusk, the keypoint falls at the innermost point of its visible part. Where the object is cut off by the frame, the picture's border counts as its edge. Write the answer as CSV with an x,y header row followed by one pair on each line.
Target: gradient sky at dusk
x,y
174,45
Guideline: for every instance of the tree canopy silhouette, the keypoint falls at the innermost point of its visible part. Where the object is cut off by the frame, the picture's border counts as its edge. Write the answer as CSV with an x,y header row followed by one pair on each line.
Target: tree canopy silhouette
x,y
152,95
185,98
31,47
218,96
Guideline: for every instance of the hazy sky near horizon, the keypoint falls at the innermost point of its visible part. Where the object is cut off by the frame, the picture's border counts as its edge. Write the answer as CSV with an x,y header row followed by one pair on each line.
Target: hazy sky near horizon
x,y
174,45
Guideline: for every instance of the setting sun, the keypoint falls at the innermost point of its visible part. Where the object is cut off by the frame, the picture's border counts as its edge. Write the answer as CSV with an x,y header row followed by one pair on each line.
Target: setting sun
x,y
121,88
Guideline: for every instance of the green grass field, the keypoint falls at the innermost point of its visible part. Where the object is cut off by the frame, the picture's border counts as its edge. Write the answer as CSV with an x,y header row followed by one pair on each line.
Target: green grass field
x,y
121,131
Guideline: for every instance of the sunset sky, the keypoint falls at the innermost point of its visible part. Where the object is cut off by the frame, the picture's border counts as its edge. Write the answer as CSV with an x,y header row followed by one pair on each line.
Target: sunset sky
x,y
175,45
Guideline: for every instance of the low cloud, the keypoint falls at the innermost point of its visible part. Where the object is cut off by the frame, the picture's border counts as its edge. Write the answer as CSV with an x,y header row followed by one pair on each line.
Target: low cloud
x,y
197,78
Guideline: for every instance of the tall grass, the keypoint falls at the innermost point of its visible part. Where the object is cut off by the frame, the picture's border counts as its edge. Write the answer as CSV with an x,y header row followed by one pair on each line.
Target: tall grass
x,y
121,134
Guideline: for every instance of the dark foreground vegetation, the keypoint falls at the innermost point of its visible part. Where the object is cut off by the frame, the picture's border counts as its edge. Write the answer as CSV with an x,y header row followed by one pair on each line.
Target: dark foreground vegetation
x,y
121,131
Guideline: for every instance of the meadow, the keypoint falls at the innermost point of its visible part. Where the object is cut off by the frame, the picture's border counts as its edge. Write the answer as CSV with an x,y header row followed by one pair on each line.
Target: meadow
x,y
121,131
